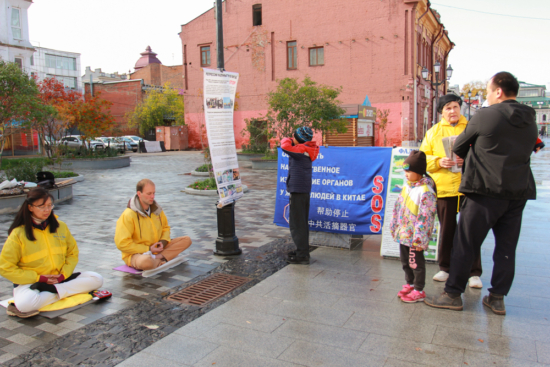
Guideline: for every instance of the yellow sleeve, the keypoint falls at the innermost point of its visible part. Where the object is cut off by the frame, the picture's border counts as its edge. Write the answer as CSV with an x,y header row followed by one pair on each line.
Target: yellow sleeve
x,y
123,236
72,256
432,161
165,227
10,257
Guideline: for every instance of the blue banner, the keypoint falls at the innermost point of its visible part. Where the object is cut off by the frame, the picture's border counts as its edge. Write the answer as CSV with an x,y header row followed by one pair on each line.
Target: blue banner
x,y
348,191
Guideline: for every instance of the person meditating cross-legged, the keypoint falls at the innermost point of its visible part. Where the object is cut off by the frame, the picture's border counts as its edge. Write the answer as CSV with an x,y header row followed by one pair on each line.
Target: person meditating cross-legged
x,y
143,234
39,257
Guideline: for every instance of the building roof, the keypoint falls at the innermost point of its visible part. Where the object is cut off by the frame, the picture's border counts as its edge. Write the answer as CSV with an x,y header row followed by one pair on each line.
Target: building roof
x,y
528,85
147,57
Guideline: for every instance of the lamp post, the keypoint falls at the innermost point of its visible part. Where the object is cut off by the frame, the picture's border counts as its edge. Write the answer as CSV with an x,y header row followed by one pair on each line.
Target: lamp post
x,y
437,83
469,104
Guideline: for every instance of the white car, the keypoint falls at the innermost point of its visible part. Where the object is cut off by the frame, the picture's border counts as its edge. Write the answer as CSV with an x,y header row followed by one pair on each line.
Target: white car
x,y
135,139
75,141
112,143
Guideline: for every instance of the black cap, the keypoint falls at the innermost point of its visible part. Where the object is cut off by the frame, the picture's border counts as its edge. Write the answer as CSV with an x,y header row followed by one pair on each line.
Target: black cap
x,y
416,162
448,98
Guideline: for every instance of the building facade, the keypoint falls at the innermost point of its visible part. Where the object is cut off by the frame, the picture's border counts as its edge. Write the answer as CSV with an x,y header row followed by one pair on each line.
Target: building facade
x,y
14,32
369,48
535,96
62,65
100,76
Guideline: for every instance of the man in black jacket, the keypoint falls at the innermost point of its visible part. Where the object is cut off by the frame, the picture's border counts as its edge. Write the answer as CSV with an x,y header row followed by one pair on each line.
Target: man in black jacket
x,y
497,181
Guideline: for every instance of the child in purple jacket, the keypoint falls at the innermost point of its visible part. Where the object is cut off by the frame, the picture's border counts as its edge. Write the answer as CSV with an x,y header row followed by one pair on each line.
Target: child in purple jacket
x,y
412,224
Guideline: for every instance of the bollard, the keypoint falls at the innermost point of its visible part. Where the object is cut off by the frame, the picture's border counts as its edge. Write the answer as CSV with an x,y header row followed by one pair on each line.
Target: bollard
x,y
227,243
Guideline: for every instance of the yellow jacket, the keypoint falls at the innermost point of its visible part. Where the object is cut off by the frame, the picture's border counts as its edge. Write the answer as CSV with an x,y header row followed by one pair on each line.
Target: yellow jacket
x,y
23,261
136,231
446,181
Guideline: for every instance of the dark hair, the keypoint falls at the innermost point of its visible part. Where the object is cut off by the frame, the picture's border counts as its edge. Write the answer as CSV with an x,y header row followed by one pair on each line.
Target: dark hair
x,y
23,217
507,82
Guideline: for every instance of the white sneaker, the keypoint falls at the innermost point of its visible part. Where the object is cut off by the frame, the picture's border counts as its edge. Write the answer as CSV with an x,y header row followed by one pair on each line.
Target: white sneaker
x,y
475,282
442,276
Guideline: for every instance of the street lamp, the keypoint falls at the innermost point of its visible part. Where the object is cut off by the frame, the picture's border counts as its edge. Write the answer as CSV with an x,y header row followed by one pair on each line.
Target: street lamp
x,y
469,104
437,83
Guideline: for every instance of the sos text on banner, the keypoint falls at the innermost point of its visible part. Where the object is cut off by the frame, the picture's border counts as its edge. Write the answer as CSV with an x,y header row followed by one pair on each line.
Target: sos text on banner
x,y
348,190
219,99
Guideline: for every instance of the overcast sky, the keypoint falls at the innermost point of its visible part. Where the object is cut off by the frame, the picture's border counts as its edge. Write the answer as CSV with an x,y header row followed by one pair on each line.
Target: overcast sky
x,y
110,34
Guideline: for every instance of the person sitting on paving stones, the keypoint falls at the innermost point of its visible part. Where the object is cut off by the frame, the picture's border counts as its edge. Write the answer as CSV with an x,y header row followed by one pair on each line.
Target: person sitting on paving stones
x,y
412,224
302,152
143,234
39,257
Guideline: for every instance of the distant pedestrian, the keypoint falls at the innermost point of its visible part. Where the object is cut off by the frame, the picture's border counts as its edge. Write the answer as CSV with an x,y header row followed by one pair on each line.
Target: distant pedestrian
x,y
497,181
412,225
447,179
302,152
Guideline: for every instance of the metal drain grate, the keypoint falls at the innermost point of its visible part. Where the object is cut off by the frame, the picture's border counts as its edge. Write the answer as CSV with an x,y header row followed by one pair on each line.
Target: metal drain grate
x,y
208,289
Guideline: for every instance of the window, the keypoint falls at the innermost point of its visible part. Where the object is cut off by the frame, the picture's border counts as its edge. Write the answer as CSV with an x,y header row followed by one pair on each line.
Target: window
x,y
257,14
528,93
68,82
16,23
60,62
316,56
32,60
292,58
544,118
205,56
19,62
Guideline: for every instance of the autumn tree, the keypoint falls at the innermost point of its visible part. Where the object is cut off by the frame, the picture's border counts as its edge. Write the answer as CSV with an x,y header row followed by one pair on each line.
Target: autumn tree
x,y
20,103
475,87
293,104
54,93
382,120
92,116
159,106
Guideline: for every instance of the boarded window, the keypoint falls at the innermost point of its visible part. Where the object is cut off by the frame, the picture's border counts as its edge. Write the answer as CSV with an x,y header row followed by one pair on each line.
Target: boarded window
x,y
316,56
292,55
205,56
257,14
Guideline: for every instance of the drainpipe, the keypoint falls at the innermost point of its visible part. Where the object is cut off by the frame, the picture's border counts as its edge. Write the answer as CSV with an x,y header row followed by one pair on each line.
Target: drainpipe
x,y
415,86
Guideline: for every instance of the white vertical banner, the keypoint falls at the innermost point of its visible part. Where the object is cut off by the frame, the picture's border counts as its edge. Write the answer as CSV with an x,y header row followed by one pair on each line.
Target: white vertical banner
x,y
219,99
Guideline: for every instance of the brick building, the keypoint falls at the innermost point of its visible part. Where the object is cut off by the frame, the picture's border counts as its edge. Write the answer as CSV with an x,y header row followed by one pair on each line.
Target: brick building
x,y
368,47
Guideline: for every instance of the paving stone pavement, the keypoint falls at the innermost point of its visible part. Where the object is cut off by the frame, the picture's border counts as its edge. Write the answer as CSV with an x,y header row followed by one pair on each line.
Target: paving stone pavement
x,y
91,216
342,310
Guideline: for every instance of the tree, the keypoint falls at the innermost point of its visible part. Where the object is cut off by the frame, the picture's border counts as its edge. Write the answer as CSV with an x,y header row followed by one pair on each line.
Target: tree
x,y
54,94
20,104
382,121
294,104
159,106
475,87
92,117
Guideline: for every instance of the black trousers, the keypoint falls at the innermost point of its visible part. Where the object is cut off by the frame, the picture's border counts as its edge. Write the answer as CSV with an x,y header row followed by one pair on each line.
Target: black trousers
x,y
446,212
414,265
479,214
298,222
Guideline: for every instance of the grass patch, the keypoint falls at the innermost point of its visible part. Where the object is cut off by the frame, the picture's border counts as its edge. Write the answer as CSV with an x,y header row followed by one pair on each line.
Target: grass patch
x,y
204,168
15,162
64,174
207,184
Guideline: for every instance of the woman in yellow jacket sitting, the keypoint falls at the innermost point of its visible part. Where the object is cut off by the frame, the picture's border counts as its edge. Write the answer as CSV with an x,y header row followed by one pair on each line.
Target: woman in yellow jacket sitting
x,y
448,198
39,257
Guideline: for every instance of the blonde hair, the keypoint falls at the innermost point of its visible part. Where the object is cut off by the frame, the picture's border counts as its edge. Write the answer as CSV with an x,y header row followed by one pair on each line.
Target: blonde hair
x,y
142,183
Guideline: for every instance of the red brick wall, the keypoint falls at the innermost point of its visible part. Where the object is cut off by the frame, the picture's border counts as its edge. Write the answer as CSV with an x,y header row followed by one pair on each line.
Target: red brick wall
x,y
124,96
157,74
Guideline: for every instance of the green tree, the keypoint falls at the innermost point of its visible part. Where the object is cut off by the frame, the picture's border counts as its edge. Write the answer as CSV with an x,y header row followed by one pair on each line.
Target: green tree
x,y
293,104
20,103
161,106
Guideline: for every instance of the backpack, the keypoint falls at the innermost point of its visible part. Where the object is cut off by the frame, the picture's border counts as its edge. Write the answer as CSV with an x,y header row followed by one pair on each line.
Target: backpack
x,y
46,180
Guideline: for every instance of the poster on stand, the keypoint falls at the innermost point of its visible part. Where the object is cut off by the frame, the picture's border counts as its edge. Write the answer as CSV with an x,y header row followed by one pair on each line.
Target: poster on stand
x,y
389,247
219,99
347,193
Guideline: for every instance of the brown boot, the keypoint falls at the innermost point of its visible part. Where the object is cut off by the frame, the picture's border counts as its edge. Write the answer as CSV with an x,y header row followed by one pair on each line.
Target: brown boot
x,y
495,302
444,300
13,311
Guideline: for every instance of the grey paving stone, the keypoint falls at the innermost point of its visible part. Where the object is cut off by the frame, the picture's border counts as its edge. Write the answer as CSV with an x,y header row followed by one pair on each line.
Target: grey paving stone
x,y
310,354
245,318
246,339
411,351
303,295
482,359
543,352
148,360
392,309
517,328
392,362
486,343
254,302
181,349
197,327
228,357
321,334
483,322
313,312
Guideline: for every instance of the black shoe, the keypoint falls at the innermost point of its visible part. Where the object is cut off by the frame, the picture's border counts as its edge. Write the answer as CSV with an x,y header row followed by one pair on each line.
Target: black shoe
x,y
444,300
299,260
495,302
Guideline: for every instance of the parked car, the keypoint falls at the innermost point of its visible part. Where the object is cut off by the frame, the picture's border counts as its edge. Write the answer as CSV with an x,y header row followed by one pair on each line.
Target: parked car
x,y
111,143
130,143
76,141
135,139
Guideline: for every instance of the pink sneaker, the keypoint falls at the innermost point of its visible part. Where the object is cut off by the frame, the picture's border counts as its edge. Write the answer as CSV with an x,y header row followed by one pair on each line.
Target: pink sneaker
x,y
406,290
414,296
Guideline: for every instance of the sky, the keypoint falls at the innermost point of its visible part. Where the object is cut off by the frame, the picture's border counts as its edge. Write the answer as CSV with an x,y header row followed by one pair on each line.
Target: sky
x,y
110,34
